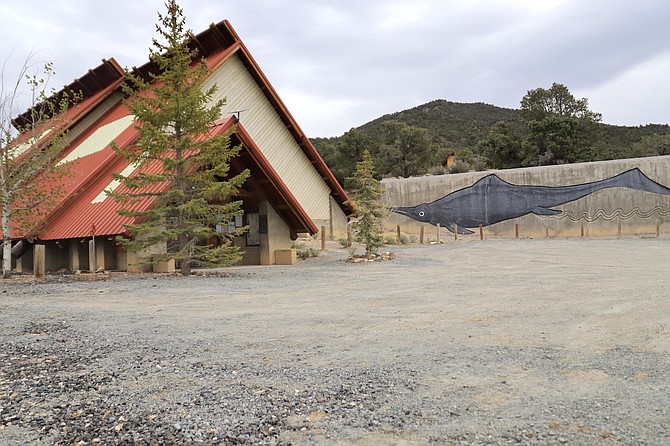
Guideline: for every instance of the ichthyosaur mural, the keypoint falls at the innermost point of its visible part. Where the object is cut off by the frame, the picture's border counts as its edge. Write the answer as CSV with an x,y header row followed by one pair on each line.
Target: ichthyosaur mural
x,y
491,200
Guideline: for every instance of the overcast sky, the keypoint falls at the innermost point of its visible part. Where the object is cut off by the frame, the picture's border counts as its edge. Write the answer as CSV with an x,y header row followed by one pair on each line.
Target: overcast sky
x,y
338,64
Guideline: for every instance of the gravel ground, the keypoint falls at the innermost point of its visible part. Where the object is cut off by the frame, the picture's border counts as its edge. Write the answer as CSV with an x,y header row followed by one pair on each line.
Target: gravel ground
x,y
498,342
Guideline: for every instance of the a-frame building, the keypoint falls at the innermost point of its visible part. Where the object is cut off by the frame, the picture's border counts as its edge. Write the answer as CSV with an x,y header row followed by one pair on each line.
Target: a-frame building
x,y
290,191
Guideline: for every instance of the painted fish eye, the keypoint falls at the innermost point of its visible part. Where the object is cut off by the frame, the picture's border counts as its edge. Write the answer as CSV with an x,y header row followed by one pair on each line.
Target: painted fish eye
x,y
421,213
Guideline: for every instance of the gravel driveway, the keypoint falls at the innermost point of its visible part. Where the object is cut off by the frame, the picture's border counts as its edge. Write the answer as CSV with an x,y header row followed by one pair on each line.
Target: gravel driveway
x,y
497,342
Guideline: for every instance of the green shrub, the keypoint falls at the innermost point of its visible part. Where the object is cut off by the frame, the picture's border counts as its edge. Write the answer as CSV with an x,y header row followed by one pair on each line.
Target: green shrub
x,y
297,245
390,240
307,253
460,167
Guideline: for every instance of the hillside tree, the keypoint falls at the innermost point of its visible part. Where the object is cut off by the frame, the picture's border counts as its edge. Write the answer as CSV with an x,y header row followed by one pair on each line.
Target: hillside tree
x,y
30,144
407,150
194,211
366,202
501,148
651,145
350,149
561,128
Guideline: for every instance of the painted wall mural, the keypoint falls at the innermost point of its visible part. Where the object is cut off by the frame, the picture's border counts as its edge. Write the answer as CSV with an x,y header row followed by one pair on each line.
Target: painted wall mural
x,y
492,200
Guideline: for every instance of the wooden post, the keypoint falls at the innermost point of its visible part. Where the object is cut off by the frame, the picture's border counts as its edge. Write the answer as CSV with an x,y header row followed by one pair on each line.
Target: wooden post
x,y
618,230
421,235
658,228
92,258
546,232
481,231
438,233
348,238
39,262
455,233
398,233
582,230
323,238
516,227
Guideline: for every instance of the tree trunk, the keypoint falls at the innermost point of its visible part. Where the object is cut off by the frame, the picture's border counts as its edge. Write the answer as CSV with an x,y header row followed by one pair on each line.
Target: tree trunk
x,y
185,269
6,243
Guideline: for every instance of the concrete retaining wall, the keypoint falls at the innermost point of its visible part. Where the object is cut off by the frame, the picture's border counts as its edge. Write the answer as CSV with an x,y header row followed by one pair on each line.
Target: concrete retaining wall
x,y
599,214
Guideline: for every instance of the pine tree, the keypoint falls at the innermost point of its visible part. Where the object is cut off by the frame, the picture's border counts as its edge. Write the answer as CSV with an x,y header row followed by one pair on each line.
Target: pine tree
x,y
366,201
191,188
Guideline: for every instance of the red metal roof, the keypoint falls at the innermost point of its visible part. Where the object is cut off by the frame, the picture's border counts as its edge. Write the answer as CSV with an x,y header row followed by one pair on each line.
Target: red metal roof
x,y
79,218
101,82
88,169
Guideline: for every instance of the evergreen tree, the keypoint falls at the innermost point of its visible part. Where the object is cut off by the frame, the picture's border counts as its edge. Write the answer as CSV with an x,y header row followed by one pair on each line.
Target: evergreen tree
x,y
350,148
651,145
501,147
561,128
182,166
407,150
366,201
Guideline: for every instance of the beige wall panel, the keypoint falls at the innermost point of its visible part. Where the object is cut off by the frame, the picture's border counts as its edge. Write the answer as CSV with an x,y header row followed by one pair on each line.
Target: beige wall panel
x,y
268,131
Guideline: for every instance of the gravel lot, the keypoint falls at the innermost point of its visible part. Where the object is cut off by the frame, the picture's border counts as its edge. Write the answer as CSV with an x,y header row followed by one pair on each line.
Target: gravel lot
x,y
497,342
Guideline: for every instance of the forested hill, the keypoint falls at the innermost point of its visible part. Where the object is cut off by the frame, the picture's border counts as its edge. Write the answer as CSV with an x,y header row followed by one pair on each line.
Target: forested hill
x,y
451,124
457,125
460,127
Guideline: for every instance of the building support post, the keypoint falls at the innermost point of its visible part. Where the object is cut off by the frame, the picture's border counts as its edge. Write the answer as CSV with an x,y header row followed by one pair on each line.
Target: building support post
x,y
39,262
92,263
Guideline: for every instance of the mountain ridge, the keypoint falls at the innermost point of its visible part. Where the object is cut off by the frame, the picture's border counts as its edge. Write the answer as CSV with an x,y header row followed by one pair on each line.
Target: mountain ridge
x,y
459,126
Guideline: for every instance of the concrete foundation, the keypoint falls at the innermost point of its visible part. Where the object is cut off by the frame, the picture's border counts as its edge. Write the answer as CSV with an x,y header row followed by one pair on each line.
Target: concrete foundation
x,y
285,256
271,245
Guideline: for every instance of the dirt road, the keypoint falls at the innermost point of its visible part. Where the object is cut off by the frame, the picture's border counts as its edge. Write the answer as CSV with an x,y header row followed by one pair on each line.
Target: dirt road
x,y
497,342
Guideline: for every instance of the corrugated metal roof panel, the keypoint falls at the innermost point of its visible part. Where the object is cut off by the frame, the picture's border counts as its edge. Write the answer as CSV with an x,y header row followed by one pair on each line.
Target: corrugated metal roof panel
x,y
93,209
86,157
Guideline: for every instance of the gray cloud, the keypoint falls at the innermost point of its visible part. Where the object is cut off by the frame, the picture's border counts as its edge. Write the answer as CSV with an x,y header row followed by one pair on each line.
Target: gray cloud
x,y
340,64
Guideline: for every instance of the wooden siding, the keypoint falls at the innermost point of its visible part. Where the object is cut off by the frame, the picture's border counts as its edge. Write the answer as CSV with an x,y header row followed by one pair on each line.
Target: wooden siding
x,y
268,131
